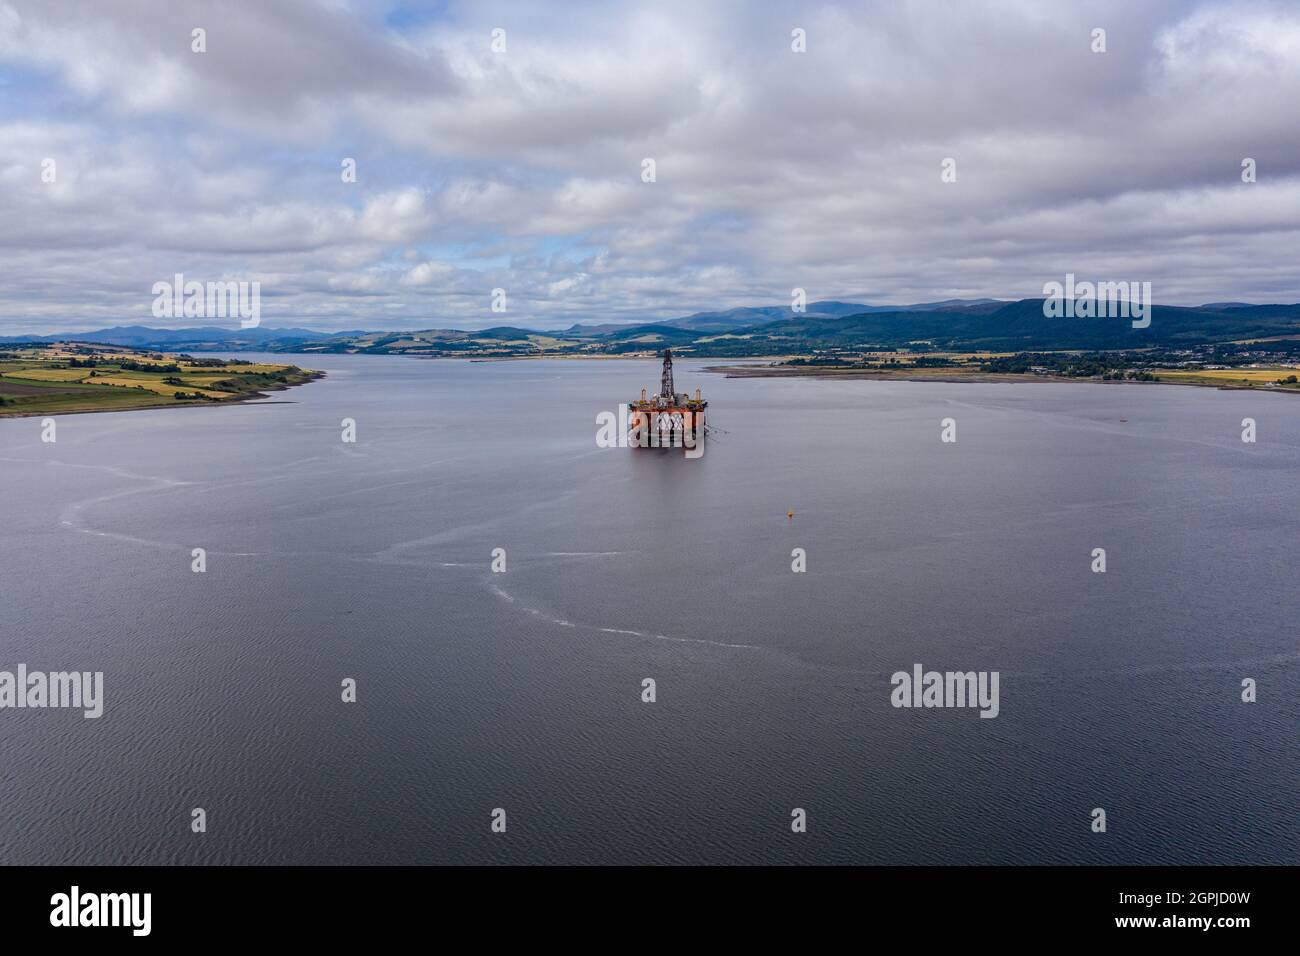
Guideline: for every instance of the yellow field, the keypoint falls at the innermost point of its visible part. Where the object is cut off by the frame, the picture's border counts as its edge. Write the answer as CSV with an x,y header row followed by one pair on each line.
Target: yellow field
x,y
1254,376
40,381
228,371
131,380
52,374
192,378
549,342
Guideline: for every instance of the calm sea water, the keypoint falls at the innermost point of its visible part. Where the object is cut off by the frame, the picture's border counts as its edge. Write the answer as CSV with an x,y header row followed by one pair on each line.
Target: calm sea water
x,y
522,690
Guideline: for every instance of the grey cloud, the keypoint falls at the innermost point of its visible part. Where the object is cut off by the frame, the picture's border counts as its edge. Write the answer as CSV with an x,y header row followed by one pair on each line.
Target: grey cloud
x,y
522,169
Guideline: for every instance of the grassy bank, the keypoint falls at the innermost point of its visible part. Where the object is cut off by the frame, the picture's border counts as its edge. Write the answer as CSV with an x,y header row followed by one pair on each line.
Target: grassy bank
x,y
72,377
1278,376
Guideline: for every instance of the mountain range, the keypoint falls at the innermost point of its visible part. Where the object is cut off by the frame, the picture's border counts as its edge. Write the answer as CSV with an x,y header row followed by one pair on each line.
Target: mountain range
x,y
954,324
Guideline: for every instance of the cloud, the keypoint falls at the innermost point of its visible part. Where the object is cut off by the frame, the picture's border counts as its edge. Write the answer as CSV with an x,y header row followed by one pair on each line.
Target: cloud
x,y
522,170
426,273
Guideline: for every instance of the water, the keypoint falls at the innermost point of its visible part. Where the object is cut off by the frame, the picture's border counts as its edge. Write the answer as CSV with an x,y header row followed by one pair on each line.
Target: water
x,y
522,690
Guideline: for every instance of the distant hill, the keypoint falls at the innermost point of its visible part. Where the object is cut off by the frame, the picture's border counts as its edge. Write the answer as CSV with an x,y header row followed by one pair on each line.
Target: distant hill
x,y
990,325
953,324
747,316
742,317
197,339
1018,325
1022,325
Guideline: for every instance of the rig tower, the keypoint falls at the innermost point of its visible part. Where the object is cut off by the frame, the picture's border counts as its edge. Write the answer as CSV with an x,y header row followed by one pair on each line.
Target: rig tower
x,y
666,381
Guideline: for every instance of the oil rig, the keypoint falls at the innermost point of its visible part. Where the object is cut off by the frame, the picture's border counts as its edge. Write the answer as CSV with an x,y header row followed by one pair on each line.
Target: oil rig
x,y
669,419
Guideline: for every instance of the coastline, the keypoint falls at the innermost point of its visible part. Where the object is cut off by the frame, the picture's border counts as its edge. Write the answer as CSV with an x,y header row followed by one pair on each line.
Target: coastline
x,y
946,376
241,400
133,380
958,378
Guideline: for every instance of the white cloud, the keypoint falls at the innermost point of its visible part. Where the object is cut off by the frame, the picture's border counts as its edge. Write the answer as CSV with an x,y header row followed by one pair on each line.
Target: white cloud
x,y
427,273
522,170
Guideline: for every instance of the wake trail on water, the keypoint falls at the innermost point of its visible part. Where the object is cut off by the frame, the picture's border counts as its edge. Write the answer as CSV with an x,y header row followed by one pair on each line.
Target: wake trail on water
x,y
72,516
583,554
648,635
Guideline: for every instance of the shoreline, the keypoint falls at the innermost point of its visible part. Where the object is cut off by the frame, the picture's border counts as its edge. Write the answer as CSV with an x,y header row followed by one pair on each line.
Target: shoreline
x,y
242,400
261,395
972,378
768,371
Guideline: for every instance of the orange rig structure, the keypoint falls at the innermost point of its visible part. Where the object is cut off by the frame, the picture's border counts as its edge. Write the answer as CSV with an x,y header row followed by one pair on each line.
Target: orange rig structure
x,y
669,419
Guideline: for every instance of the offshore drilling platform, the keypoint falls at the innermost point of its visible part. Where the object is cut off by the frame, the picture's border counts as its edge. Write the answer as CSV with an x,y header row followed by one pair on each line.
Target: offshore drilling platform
x,y
669,419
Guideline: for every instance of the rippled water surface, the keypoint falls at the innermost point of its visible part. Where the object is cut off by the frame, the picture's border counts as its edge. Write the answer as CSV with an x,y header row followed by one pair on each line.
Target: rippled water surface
x,y
522,690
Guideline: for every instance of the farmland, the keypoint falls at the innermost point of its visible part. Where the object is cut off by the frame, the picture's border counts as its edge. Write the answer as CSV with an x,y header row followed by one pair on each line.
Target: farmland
x,y
63,378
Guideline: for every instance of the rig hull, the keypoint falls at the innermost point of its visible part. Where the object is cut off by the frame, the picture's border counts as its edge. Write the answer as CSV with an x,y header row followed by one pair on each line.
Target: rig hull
x,y
669,419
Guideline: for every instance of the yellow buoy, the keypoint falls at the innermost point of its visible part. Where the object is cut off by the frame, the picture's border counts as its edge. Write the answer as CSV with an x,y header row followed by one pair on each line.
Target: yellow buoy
x,y
789,514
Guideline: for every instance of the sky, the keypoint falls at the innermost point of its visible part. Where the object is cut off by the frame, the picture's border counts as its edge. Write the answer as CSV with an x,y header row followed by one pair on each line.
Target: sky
x,y
522,168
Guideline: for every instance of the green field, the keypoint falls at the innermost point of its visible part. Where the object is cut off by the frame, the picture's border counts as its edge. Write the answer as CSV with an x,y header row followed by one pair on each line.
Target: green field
x,y
69,377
